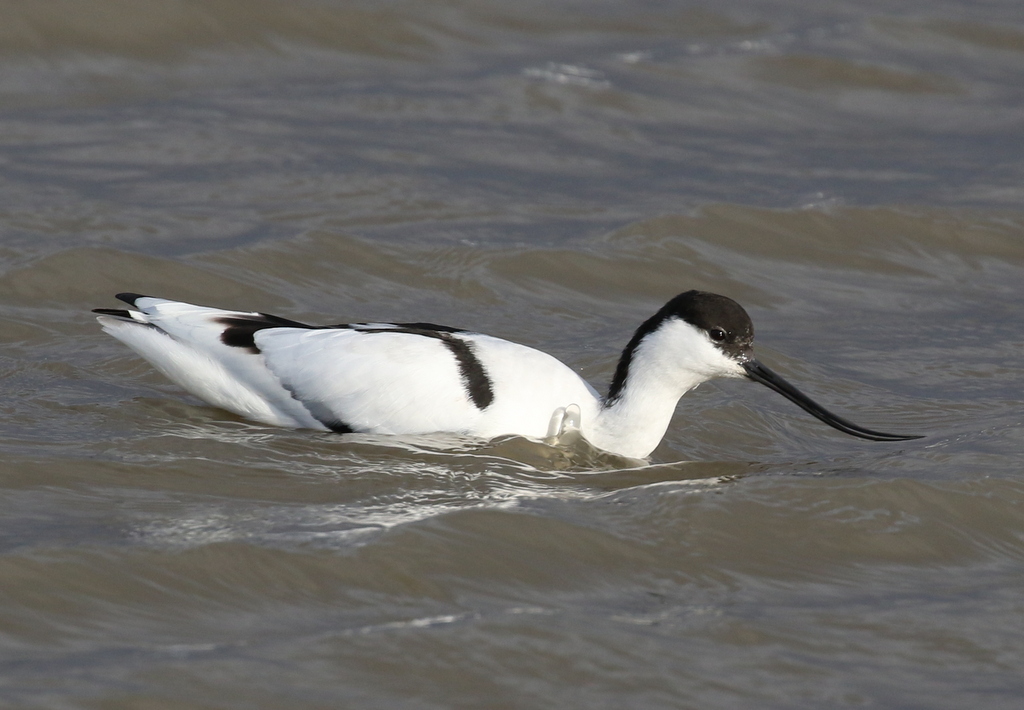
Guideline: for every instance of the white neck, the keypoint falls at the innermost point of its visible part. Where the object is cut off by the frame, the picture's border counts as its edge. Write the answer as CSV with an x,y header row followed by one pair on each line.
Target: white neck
x,y
665,365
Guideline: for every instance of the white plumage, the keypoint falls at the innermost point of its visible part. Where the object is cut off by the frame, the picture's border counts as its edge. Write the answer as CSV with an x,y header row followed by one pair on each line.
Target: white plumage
x,y
420,378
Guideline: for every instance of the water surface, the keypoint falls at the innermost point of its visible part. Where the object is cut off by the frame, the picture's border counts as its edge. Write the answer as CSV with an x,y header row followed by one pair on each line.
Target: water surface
x,y
549,173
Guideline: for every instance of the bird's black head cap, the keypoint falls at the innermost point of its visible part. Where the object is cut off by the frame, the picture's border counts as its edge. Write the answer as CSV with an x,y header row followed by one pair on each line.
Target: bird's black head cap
x,y
724,320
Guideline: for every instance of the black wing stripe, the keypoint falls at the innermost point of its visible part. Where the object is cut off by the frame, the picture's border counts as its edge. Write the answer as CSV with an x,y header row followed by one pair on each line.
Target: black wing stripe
x,y
474,377
241,329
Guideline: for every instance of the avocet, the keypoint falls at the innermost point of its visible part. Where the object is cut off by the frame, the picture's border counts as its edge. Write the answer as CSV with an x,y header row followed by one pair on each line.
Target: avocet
x,y
423,378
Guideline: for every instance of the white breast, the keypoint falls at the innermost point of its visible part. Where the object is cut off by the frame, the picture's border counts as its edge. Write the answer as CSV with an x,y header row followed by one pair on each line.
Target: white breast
x,y
529,385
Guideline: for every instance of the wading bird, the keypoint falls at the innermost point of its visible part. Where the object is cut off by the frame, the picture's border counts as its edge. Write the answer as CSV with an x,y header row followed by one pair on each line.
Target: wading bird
x,y
422,378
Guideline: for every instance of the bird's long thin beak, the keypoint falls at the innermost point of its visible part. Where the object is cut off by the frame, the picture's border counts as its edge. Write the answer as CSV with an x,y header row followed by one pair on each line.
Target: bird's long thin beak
x,y
759,373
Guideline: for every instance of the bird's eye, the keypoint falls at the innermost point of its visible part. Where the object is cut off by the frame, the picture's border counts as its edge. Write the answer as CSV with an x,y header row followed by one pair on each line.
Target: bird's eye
x,y
717,334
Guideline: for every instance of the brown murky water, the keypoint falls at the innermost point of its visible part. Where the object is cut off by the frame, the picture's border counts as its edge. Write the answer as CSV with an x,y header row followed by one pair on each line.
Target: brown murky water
x,y
550,173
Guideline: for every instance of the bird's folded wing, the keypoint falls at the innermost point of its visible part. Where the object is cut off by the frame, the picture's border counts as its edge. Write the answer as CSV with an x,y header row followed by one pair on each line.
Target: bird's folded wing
x,y
385,382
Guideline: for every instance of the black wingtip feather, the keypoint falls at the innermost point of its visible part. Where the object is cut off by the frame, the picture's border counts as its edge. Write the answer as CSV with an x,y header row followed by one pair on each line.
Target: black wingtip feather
x,y
129,298
116,312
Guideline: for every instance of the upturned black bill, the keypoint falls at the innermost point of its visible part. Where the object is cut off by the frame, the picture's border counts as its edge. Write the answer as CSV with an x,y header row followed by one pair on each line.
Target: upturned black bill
x,y
759,373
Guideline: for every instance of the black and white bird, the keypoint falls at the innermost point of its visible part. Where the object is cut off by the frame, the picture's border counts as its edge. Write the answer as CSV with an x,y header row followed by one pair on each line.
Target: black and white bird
x,y
422,378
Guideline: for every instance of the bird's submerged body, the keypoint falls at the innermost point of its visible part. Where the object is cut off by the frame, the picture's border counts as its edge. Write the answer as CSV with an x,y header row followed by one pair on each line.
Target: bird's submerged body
x,y
422,378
